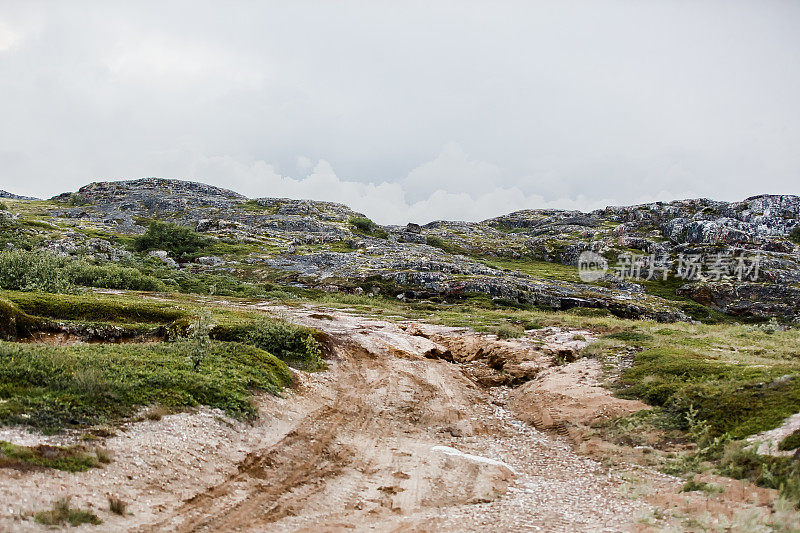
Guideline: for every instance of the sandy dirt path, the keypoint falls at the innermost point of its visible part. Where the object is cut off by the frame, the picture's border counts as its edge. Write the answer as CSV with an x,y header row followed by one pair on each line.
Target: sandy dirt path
x,y
388,438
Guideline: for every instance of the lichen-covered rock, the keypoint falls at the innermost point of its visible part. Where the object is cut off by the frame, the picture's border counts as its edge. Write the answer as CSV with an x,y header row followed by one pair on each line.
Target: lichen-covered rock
x,y
315,242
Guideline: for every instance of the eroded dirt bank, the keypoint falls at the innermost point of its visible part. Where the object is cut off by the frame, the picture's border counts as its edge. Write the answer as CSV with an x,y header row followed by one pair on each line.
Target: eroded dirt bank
x,y
397,434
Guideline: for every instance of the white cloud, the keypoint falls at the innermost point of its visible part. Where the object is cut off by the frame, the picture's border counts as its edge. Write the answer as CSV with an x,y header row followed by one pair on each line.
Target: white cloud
x,y
452,170
423,111
386,203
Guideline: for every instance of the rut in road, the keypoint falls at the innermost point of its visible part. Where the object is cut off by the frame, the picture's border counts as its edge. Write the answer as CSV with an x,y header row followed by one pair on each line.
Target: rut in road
x,y
379,442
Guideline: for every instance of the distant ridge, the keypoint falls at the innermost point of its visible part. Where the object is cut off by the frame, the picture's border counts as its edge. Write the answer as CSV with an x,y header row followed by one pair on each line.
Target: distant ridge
x,y
6,194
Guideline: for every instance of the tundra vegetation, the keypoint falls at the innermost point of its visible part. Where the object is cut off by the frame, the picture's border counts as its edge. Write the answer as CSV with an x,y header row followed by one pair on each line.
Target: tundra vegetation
x,y
712,373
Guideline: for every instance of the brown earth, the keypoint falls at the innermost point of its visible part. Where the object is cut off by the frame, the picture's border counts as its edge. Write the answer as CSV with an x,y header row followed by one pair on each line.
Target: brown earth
x,y
396,435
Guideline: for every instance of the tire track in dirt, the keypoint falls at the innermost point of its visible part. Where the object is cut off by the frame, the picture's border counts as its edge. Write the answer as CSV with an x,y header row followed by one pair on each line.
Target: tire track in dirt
x,y
367,453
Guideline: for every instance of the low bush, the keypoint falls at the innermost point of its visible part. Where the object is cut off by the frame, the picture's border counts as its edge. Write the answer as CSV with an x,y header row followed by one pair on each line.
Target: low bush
x,y
32,271
794,235
293,344
366,226
111,276
179,241
63,513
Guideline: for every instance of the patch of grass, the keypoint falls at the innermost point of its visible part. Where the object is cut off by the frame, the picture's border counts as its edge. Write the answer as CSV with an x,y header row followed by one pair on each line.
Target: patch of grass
x,y
701,486
509,331
53,387
740,461
63,513
629,336
535,269
736,399
71,459
117,505
791,441
444,245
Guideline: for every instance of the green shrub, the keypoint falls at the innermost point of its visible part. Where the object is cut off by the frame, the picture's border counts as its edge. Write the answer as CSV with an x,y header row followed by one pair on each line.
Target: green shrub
x,y
32,271
179,241
791,441
363,224
200,341
740,461
111,276
3,206
63,513
291,343
366,226
794,235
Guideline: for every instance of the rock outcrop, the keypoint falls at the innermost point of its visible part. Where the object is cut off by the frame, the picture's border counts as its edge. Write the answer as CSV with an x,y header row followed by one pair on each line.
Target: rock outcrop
x,y
524,258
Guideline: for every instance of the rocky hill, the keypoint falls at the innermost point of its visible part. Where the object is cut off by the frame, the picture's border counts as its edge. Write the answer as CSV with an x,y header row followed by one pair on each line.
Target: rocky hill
x,y
6,194
667,261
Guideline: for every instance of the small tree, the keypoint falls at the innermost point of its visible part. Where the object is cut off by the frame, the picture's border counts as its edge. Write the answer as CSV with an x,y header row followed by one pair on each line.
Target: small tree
x,y
200,339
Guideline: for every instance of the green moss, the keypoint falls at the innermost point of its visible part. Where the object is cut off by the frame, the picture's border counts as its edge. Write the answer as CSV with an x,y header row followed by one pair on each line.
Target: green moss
x,y
15,323
736,399
70,459
791,441
52,387
94,307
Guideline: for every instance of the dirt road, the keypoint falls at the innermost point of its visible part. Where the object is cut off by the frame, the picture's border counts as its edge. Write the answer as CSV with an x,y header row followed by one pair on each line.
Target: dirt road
x,y
389,438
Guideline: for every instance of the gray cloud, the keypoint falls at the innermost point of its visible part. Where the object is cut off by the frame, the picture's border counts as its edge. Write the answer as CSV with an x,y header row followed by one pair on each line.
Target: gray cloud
x,y
407,111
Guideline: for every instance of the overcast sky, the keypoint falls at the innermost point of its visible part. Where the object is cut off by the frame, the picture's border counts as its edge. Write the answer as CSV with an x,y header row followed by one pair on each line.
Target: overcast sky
x,y
406,111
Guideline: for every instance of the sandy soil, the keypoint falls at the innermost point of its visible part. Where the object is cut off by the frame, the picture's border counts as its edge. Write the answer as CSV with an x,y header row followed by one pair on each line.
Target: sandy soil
x,y
393,436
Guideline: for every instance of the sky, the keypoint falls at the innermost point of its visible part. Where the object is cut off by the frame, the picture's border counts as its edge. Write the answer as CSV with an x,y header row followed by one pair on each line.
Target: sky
x,y
406,111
